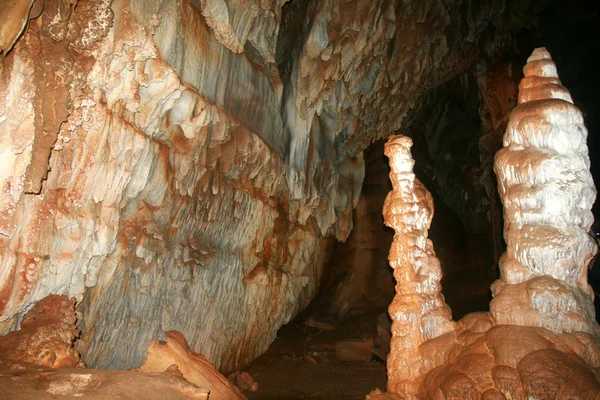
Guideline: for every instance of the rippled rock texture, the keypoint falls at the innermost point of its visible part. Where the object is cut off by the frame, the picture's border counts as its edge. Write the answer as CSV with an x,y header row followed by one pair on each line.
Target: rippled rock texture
x,y
185,165
540,339
135,174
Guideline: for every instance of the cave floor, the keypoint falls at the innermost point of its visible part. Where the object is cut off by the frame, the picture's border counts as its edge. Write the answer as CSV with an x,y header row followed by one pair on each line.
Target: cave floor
x,y
301,364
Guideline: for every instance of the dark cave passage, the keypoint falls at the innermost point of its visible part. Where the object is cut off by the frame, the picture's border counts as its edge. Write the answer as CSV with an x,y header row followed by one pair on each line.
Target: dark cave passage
x,y
343,336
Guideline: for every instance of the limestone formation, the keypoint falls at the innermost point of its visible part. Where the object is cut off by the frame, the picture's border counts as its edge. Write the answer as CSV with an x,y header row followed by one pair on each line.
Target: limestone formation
x,y
548,192
186,165
147,187
418,311
540,339
193,367
92,384
359,280
12,28
45,339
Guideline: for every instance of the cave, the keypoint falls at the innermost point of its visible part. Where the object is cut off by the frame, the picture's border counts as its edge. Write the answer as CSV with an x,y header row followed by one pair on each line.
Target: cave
x,y
318,199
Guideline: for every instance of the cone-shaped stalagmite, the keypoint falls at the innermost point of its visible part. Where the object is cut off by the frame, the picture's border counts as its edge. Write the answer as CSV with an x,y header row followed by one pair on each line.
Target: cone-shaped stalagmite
x,y
547,191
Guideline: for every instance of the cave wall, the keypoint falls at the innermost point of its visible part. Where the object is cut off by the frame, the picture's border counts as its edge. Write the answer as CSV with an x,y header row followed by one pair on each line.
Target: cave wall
x,y
172,166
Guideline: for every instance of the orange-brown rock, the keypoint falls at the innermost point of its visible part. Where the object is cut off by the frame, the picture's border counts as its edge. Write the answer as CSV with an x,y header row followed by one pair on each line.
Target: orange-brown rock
x,y
193,366
12,27
244,380
66,383
480,358
354,350
46,337
418,311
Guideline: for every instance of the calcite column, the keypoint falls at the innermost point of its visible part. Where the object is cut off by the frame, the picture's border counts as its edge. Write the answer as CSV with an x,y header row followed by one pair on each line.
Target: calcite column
x,y
547,191
418,310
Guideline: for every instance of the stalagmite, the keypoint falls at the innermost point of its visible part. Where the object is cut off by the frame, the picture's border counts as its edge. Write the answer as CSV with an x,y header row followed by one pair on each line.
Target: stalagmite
x,y
540,339
548,192
187,165
418,311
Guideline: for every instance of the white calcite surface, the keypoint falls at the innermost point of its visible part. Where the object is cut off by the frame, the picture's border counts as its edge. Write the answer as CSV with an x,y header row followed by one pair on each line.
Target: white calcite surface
x,y
540,338
160,211
547,191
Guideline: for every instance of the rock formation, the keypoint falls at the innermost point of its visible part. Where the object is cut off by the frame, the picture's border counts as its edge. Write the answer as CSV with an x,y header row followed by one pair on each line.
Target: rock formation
x,y
186,165
162,202
45,339
540,339
547,192
92,384
418,311
193,367
359,279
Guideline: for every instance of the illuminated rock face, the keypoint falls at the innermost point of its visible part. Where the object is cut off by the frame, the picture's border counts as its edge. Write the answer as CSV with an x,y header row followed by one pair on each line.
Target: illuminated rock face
x,y
194,367
45,339
165,206
185,165
540,339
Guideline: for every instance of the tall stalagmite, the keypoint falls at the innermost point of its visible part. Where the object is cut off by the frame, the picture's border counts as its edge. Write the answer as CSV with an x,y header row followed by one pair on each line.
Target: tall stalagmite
x,y
418,311
548,192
